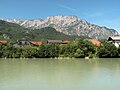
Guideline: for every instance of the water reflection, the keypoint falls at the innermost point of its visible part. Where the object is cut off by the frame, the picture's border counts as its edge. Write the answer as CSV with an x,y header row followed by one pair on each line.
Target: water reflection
x,y
52,74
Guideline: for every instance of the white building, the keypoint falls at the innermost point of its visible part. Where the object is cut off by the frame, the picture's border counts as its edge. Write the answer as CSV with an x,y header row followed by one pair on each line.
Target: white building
x,y
115,40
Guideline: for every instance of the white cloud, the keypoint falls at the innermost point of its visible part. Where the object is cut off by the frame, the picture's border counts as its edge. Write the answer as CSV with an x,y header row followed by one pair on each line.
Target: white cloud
x,y
66,7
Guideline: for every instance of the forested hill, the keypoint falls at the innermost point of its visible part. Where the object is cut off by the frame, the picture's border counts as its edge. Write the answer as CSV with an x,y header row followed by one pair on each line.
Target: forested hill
x,y
13,32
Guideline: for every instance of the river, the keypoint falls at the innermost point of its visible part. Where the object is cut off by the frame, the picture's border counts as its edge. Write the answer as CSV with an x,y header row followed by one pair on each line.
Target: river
x,y
59,74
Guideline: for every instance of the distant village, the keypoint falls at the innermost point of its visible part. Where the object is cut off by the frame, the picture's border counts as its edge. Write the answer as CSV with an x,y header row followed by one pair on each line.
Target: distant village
x,y
38,43
113,40
35,43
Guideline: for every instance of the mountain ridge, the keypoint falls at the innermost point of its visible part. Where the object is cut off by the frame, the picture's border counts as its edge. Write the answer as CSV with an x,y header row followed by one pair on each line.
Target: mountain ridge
x,y
69,25
13,32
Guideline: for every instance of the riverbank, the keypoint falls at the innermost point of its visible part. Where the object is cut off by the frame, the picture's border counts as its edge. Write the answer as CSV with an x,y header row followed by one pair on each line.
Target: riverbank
x,y
80,48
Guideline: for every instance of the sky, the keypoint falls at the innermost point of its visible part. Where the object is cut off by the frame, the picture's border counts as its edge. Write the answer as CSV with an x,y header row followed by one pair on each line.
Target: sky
x,y
99,12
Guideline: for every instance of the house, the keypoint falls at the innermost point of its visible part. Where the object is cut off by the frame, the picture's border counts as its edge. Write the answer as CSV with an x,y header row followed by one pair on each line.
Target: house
x,y
36,43
115,40
26,42
54,41
95,42
22,42
3,41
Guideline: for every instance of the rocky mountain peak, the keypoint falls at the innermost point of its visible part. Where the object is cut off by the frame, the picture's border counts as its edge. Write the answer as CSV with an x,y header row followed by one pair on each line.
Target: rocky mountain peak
x,y
70,25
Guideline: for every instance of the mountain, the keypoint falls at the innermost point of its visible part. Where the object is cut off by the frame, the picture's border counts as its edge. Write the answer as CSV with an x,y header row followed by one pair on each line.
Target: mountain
x,y
14,32
69,25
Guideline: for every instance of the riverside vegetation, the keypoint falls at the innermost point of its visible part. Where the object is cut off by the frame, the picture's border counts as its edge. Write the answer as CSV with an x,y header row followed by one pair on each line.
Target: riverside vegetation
x,y
79,48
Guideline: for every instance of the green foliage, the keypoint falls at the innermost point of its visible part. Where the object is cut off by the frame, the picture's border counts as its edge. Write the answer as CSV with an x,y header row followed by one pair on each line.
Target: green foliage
x,y
79,48
68,50
85,47
79,53
108,50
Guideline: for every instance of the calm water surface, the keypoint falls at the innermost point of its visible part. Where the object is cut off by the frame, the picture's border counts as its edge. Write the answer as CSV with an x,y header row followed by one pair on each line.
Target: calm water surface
x,y
52,74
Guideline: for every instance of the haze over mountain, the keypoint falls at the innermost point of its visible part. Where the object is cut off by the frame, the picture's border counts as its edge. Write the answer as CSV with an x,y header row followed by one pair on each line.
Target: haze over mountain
x,y
69,25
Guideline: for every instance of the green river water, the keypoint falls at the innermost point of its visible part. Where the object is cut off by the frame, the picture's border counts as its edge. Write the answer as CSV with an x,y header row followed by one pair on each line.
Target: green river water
x,y
59,74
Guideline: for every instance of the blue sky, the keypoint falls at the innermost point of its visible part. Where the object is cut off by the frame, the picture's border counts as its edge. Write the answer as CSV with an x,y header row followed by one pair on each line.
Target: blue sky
x,y
100,12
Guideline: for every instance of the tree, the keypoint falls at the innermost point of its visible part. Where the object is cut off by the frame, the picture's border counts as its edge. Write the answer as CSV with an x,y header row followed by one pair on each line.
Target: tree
x,y
79,53
107,50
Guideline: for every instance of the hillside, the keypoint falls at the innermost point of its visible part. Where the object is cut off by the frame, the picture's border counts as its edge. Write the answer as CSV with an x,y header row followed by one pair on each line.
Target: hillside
x,y
11,31
69,25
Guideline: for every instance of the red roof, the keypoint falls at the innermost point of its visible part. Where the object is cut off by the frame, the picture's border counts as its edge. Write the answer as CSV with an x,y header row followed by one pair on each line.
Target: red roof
x,y
66,41
95,42
36,43
3,41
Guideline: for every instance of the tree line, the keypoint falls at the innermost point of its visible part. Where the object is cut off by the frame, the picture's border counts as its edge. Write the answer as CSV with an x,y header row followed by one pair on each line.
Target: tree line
x,y
79,48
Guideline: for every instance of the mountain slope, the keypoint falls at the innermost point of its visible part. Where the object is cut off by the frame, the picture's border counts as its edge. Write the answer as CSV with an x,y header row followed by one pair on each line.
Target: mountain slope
x,y
14,32
69,25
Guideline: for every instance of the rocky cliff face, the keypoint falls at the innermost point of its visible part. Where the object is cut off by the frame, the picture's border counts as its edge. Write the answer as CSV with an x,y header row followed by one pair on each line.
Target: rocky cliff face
x,y
70,25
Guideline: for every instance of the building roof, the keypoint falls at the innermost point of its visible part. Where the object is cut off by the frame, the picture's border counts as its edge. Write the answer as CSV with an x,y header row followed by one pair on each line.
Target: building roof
x,y
66,41
114,38
36,43
55,41
95,42
3,41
